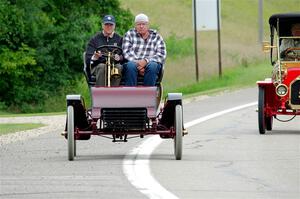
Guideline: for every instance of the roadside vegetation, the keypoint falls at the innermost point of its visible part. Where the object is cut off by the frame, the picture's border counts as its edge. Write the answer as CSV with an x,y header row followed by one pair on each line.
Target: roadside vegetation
x,y
233,78
16,127
41,46
240,44
10,114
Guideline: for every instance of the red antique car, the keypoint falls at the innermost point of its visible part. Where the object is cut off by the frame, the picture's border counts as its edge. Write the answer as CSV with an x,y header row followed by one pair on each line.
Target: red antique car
x,y
280,94
121,113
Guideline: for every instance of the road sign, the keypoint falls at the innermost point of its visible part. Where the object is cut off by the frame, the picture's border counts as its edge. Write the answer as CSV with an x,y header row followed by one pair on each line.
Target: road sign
x,y
206,14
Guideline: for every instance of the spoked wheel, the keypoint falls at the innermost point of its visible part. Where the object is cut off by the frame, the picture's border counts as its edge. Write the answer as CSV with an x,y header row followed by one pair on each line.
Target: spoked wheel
x,y
178,130
70,131
261,110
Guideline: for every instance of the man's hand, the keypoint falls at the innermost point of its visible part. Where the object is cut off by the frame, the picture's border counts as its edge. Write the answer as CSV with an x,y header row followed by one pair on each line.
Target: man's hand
x,y
141,70
117,57
141,64
97,55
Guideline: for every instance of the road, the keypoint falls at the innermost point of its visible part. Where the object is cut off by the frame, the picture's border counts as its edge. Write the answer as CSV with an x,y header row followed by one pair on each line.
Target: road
x,y
223,157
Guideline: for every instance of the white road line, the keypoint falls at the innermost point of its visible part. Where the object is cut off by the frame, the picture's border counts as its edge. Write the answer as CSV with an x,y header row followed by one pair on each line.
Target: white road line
x,y
217,114
136,162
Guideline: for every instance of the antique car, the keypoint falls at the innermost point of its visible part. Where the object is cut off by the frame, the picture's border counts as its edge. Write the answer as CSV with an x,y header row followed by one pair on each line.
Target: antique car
x,y
280,94
121,113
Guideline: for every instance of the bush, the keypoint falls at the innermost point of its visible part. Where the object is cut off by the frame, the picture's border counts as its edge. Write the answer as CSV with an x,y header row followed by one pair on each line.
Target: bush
x,y
179,47
41,45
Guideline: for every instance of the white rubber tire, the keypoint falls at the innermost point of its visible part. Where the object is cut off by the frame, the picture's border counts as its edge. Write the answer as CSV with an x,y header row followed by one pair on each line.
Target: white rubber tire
x,y
70,131
178,130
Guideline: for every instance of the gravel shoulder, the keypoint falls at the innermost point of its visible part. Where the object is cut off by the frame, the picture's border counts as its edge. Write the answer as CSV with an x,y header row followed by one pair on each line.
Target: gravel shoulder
x,y
56,123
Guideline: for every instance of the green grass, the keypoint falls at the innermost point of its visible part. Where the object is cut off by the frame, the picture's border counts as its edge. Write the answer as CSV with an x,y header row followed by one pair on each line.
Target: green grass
x,y
175,16
8,114
239,39
232,78
15,127
179,47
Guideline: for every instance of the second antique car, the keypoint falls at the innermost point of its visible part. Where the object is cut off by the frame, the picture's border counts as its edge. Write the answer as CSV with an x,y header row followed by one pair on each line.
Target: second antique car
x,y
280,94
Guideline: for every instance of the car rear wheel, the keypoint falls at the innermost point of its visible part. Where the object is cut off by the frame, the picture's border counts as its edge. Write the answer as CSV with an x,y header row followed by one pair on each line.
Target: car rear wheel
x,y
261,110
70,132
178,132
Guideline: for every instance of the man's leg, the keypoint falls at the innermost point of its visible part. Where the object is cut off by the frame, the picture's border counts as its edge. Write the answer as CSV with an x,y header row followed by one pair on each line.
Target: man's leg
x,y
99,72
130,74
115,81
151,72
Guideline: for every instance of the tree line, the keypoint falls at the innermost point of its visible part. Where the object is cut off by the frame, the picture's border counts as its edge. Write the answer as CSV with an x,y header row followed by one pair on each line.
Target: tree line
x,y
41,46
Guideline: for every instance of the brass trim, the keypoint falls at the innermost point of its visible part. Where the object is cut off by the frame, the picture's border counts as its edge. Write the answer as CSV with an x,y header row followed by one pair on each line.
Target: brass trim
x,y
290,64
266,46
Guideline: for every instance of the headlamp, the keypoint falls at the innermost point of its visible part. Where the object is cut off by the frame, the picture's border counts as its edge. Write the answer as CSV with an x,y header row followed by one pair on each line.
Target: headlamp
x,y
281,90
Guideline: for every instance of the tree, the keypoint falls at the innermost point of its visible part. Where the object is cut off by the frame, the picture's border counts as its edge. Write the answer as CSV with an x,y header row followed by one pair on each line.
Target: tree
x,y
41,45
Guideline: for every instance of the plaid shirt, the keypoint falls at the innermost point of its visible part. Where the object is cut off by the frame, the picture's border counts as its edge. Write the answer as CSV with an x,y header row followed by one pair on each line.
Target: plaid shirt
x,y
151,49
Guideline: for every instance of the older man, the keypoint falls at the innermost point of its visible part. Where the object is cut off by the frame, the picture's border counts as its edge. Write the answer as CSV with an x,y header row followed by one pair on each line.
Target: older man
x,y
145,51
94,58
291,42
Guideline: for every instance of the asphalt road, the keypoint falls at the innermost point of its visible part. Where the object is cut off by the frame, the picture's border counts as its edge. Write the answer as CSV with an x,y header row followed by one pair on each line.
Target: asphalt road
x,y
224,157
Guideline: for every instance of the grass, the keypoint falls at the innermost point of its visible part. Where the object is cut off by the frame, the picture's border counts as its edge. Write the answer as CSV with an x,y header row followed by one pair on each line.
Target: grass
x,y
167,14
175,17
8,114
232,78
15,127
239,37
179,47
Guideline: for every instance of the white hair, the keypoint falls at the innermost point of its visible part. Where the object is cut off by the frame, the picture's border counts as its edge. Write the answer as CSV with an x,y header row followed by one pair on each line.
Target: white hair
x,y
141,18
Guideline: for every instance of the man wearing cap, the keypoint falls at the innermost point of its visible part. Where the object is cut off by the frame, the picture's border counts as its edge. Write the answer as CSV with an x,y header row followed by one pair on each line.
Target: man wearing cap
x,y
95,59
291,42
145,51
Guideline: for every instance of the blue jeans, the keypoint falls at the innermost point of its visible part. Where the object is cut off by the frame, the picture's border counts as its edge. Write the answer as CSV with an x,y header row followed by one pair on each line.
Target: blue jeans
x,y
152,70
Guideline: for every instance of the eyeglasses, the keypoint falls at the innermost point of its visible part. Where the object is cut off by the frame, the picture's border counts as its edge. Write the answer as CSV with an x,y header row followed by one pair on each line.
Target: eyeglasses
x,y
141,24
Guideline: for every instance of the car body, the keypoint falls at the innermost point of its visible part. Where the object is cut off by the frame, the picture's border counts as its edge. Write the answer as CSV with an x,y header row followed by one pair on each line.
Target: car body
x,y
280,94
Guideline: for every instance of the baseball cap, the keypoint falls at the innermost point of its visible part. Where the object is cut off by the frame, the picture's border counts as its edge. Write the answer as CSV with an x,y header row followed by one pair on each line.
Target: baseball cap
x,y
109,19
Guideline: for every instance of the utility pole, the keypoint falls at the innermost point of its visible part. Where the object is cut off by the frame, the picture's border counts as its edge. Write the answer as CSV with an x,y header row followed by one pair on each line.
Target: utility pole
x,y
195,42
219,40
260,21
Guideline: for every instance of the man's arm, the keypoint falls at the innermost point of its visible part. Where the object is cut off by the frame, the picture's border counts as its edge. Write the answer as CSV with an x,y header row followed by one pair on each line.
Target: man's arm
x,y
127,47
161,52
90,50
285,44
